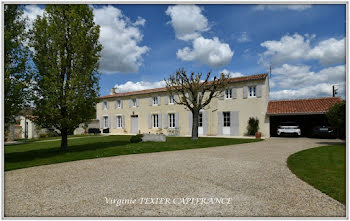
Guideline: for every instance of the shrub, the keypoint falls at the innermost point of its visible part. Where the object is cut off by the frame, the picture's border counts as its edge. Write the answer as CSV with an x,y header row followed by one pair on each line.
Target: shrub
x,y
43,135
336,117
253,125
136,139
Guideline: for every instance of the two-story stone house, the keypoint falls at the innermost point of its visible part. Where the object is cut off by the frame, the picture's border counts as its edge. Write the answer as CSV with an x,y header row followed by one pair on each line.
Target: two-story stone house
x,y
154,111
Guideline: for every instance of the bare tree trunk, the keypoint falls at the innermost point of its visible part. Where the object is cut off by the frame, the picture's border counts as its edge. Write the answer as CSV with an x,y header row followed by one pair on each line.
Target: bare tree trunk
x,y
195,118
64,141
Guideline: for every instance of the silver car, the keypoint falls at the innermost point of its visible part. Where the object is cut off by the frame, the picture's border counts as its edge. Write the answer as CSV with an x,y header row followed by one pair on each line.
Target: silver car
x,y
288,128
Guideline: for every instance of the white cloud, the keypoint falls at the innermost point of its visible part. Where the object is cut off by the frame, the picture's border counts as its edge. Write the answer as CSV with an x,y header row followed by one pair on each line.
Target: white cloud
x,y
231,74
31,12
282,7
120,39
329,51
207,51
297,81
318,90
297,47
187,21
244,37
137,86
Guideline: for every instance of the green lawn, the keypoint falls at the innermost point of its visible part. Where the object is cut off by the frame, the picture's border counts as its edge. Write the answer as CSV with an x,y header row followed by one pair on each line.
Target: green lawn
x,y
42,153
323,168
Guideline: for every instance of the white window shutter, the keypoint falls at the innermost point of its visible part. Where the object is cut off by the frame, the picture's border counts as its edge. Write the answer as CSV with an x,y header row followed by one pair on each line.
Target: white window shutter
x,y
109,122
245,92
123,121
234,122
158,100
205,122
160,120
220,122
137,102
115,122
107,105
165,121
101,122
258,91
190,121
166,100
149,121
234,93
121,103
177,120
150,101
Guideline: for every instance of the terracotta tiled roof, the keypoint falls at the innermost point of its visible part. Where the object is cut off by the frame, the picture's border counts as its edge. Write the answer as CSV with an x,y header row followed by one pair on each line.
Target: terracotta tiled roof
x,y
232,80
315,105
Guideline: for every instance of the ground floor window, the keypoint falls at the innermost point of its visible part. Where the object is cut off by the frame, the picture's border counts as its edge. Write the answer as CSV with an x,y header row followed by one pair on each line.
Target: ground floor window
x,y
171,120
105,121
200,119
119,121
155,120
227,119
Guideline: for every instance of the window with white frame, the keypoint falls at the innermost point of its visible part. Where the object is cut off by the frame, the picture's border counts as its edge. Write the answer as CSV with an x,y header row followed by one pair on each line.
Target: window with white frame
x,y
227,119
155,120
228,93
171,99
171,120
134,102
119,121
155,101
105,122
252,91
119,103
104,106
200,119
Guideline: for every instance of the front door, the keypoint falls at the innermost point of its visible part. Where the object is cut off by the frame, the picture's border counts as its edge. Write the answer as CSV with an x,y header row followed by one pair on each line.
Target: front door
x,y
200,123
227,123
134,124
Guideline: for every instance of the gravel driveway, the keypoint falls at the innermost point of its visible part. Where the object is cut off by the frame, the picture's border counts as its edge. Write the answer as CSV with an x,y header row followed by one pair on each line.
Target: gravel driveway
x,y
252,179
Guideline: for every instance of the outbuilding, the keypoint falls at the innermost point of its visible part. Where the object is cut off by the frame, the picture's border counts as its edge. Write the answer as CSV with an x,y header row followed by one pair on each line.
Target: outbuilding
x,y
308,113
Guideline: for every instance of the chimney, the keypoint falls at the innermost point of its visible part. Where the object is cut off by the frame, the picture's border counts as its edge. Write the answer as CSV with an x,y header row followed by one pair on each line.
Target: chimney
x,y
113,91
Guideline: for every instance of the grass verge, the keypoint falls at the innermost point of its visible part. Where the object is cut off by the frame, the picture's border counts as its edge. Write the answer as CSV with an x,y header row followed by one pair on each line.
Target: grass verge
x,y
43,153
323,168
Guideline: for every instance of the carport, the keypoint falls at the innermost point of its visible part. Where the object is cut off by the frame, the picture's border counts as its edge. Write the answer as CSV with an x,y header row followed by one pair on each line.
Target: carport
x,y
305,112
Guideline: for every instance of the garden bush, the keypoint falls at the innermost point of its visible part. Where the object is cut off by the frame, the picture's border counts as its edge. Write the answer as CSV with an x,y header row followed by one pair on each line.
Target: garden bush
x,y
136,139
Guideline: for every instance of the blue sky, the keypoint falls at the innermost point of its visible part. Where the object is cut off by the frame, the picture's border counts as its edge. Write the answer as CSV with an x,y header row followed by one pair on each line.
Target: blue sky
x,y
143,44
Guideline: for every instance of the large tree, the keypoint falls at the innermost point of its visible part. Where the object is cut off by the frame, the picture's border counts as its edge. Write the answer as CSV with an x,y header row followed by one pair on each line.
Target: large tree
x,y
195,92
17,75
66,55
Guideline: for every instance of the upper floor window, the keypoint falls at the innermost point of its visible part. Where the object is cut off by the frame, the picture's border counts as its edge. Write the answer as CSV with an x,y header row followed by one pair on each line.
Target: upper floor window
x,y
119,103
155,120
200,119
227,119
155,101
252,91
119,121
134,102
104,105
171,99
171,120
228,93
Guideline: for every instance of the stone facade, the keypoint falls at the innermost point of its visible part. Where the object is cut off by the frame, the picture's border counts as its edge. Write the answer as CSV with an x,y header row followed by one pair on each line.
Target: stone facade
x,y
135,113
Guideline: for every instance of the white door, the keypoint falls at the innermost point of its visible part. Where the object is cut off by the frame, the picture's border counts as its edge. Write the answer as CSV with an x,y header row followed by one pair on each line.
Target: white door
x,y
200,124
134,124
226,130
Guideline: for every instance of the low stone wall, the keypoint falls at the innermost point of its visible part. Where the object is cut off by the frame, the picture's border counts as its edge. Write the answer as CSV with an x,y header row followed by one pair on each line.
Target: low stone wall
x,y
154,137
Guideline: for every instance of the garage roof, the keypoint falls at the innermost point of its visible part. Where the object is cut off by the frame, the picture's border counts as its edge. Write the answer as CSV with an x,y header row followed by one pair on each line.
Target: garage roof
x,y
302,106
